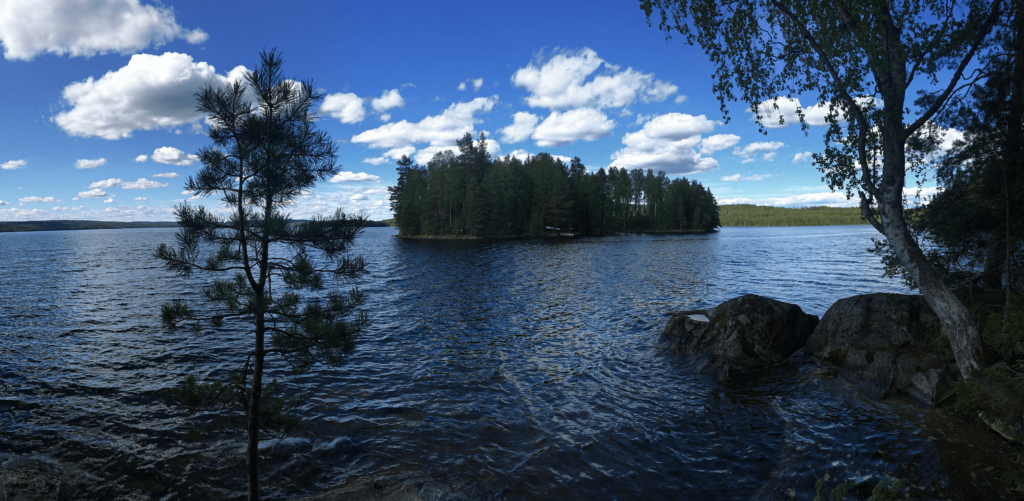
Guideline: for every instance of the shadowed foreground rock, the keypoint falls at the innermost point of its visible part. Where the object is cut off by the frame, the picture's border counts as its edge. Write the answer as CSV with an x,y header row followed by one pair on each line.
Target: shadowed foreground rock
x,y
886,344
741,335
33,479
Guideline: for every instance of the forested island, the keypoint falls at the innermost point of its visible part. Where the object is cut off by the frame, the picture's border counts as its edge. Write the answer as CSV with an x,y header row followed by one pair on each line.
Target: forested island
x,y
80,225
474,196
756,215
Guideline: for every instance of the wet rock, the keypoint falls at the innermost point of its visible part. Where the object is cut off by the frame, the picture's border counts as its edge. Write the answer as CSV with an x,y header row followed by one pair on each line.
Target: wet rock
x,y
886,344
930,388
395,489
741,335
33,479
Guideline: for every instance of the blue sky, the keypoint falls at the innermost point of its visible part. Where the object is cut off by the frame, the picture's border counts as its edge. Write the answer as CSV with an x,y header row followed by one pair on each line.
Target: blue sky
x,y
99,121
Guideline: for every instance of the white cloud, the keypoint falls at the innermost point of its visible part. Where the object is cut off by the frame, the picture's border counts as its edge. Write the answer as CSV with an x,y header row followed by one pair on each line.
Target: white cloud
x,y
109,183
718,142
822,198
461,86
388,99
168,175
2,203
523,124
173,156
737,177
150,92
787,110
140,199
13,164
86,28
187,192
948,137
83,163
93,193
440,131
110,201
680,99
375,160
477,83
141,158
561,128
358,197
26,200
767,149
347,108
803,157
561,83
354,177
142,184
668,142
524,155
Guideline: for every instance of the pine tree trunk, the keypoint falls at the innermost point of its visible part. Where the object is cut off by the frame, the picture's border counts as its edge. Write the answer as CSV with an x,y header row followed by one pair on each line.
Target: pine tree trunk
x,y
253,423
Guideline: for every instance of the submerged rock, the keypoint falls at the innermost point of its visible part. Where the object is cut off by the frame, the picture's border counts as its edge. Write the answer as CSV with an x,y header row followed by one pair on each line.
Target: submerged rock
x,y
34,479
741,335
886,344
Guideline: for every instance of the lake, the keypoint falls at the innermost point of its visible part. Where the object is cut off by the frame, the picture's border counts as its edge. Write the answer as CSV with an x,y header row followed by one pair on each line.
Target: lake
x,y
506,370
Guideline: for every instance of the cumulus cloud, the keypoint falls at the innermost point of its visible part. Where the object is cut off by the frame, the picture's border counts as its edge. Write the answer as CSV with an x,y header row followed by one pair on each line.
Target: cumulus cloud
x,y
680,99
27,200
109,183
83,163
86,28
461,86
173,156
523,124
767,150
141,158
718,142
2,203
347,108
440,131
142,184
150,92
803,157
110,201
668,142
388,99
561,128
93,193
358,197
140,199
168,175
13,164
562,83
737,177
354,177
787,112
477,83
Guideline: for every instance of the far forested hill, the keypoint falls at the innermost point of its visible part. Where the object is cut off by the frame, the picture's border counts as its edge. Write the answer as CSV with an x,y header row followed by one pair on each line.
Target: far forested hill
x,y
756,215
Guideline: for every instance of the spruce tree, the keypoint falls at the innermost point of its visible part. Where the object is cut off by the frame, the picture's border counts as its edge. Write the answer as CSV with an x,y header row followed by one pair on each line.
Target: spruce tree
x,y
264,156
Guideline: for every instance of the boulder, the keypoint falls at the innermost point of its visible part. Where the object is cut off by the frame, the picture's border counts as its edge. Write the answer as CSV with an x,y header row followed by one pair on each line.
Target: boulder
x,y
741,335
34,479
886,344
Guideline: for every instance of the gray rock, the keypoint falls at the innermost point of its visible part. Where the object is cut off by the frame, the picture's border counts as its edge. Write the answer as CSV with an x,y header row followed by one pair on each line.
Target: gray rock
x,y
930,388
34,479
882,342
741,335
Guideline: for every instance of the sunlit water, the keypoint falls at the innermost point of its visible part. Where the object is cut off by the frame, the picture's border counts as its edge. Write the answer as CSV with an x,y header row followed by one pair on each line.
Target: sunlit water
x,y
509,370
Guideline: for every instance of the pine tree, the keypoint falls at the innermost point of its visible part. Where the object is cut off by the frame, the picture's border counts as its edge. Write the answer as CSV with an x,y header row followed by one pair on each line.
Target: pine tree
x,y
264,156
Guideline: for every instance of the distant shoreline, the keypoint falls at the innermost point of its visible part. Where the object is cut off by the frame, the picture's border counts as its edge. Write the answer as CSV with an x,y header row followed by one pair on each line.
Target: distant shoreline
x,y
759,215
70,225
552,237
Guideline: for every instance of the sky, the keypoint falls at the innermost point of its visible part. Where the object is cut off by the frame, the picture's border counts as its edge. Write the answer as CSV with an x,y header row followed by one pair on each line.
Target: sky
x,y
100,120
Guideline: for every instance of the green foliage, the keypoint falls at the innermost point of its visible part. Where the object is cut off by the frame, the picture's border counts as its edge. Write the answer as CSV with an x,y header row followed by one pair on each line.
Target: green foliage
x,y
755,215
268,269
473,195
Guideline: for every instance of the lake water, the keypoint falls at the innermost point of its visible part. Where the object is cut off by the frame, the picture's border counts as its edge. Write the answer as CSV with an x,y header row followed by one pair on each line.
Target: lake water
x,y
507,370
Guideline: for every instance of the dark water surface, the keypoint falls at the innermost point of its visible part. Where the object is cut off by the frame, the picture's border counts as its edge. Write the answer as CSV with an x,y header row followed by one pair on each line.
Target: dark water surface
x,y
510,370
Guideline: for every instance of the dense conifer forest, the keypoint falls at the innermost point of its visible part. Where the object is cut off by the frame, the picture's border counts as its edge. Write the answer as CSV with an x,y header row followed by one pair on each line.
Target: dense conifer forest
x,y
756,215
473,195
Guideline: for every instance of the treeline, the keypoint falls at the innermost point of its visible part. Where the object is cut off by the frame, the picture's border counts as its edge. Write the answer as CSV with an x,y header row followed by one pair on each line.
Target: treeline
x,y
61,225
756,215
473,195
